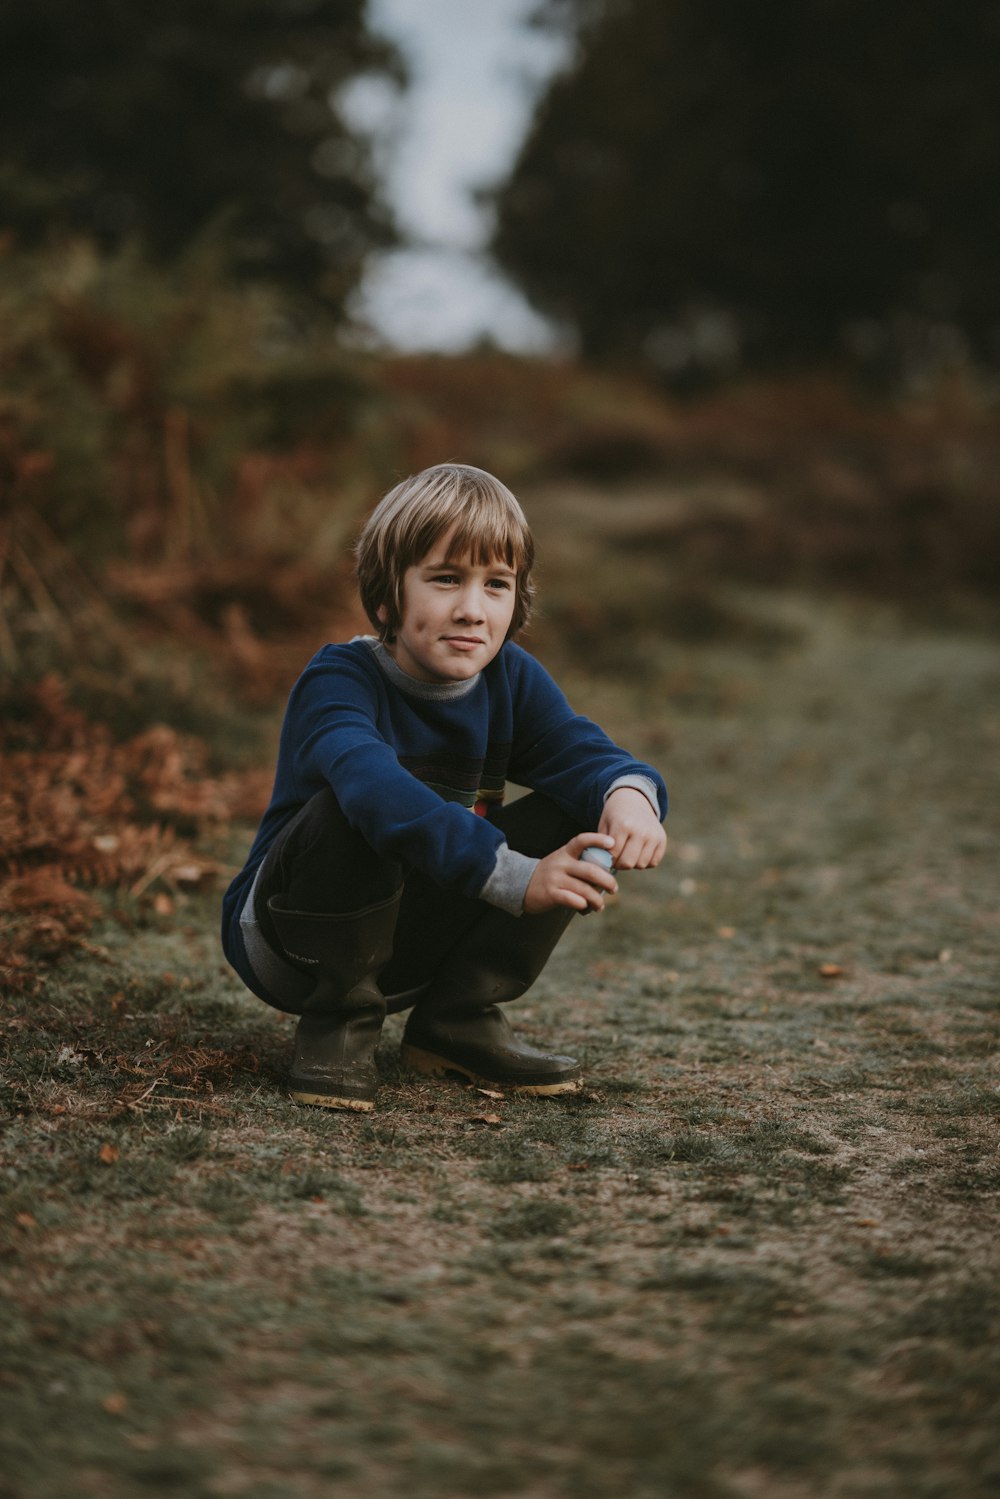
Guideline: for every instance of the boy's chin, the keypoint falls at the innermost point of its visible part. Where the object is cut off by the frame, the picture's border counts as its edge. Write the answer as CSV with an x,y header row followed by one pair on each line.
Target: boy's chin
x,y
443,666
441,672
459,671
458,666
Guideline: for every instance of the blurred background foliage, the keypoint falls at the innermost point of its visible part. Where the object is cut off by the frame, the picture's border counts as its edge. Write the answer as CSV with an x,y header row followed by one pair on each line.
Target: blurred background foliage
x,y
772,231
158,121
711,185
787,211
759,204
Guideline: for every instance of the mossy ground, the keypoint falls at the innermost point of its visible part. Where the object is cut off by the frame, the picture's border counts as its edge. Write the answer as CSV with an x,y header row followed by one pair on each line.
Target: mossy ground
x,y
756,1258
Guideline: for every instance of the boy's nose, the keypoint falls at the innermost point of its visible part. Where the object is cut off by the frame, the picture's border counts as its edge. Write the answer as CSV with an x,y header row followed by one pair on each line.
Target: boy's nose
x,y
470,605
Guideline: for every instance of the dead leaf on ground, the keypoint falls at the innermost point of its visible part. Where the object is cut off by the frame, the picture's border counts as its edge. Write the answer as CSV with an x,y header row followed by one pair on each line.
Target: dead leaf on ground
x,y
109,1153
830,971
493,1119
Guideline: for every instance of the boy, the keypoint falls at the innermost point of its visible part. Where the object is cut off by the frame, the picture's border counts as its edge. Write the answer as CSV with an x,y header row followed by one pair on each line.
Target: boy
x,y
371,874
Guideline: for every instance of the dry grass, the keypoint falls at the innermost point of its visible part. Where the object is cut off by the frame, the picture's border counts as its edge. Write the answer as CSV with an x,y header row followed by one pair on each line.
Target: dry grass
x,y
754,1259
80,811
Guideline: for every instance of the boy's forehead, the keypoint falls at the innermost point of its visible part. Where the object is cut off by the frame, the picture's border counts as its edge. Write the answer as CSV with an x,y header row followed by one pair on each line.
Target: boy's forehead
x,y
442,551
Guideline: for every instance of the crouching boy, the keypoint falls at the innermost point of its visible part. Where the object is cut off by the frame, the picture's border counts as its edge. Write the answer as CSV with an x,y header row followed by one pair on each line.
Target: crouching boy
x,y
387,873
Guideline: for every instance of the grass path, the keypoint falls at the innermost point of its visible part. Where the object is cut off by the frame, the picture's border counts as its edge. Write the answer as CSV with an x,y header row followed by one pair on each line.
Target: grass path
x,y
757,1256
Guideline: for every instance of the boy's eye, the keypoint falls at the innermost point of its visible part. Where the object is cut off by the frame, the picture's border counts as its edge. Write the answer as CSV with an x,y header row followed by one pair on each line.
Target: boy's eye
x,y
502,585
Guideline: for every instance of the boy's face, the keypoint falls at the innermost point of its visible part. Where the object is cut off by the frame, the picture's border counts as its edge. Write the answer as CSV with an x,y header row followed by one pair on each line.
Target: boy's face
x,y
456,615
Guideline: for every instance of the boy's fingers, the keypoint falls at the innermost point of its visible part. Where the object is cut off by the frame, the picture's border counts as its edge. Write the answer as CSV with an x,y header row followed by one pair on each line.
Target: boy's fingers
x,y
657,848
590,881
593,874
638,852
631,852
574,898
576,846
641,851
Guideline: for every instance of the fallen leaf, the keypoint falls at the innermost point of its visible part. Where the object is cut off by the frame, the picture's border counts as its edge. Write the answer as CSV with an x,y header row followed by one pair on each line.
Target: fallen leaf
x,y
163,905
727,932
489,1093
109,1153
830,970
115,1404
25,1220
486,1119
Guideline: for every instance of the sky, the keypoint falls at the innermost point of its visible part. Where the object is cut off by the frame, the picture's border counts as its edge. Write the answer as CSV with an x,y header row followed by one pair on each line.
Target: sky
x,y
474,72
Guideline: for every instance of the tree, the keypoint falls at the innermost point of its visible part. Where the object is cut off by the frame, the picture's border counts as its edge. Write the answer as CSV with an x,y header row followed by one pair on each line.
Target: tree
x,y
159,119
716,180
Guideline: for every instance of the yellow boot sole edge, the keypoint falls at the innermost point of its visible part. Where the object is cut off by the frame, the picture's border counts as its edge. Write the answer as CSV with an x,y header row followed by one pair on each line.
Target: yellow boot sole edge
x,y
430,1065
331,1101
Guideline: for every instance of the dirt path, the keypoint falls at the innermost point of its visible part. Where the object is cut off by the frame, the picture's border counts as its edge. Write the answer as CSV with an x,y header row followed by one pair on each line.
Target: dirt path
x,y
756,1257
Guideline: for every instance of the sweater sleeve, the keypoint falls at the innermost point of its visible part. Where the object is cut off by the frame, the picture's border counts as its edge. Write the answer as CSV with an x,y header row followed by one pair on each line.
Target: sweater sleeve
x,y
334,736
567,756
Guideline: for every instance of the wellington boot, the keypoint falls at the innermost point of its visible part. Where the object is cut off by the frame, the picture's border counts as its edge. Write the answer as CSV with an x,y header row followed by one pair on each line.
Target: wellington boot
x,y
457,1029
334,1062
483,1049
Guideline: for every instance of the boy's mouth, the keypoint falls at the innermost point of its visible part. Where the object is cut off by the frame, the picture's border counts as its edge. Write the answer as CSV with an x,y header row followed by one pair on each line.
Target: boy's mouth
x,y
463,639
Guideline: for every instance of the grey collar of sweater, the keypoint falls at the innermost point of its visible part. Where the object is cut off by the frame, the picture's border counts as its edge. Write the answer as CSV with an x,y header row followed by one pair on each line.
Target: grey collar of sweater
x,y
441,692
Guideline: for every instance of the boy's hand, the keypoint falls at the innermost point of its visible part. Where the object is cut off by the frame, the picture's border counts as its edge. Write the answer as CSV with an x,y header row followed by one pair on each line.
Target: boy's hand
x,y
639,840
561,879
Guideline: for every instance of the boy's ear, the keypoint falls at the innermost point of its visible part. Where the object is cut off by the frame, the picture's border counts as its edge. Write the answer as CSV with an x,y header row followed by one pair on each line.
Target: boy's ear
x,y
381,614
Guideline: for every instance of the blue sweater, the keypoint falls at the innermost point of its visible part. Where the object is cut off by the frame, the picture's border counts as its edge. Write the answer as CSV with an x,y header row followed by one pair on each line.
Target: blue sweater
x,y
409,762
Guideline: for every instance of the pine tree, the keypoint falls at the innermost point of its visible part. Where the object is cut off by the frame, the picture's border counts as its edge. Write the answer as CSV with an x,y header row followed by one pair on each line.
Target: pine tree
x,y
156,120
715,179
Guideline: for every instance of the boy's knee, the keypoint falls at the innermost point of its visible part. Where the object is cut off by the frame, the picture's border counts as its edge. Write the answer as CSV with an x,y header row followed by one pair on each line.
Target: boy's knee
x,y
536,826
320,818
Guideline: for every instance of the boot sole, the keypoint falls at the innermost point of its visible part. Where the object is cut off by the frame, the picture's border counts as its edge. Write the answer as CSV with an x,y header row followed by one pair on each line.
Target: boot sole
x,y
431,1065
332,1101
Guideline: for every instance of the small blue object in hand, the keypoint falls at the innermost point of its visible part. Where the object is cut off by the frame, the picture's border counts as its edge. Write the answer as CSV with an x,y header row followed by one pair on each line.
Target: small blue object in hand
x,y
595,856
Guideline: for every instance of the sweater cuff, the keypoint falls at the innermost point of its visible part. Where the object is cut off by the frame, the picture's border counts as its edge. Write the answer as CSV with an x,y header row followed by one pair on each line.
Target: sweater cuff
x,y
638,783
507,884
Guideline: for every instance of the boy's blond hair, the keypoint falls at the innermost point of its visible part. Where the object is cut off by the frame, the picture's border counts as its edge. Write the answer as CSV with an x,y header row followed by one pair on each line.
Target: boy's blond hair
x,y
489,526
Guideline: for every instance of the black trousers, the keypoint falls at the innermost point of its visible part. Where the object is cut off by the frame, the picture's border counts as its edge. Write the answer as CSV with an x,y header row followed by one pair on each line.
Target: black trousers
x,y
320,863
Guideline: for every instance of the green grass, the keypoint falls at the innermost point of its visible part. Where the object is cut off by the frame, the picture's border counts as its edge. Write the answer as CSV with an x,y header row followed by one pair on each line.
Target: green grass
x,y
756,1256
